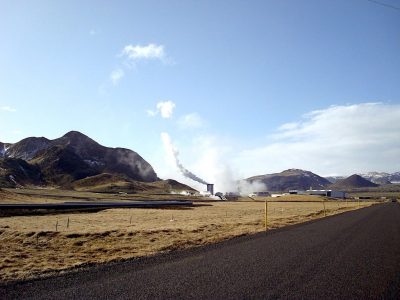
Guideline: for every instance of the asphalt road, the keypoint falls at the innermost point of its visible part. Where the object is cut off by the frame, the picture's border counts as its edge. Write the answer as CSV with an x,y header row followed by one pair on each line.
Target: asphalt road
x,y
355,255
87,204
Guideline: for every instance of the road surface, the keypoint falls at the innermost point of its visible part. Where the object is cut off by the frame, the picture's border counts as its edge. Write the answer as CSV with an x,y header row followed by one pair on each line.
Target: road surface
x,y
354,255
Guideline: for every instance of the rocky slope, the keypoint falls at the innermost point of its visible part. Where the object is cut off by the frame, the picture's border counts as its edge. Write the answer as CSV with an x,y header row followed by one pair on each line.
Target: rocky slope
x,y
353,181
108,183
74,156
292,179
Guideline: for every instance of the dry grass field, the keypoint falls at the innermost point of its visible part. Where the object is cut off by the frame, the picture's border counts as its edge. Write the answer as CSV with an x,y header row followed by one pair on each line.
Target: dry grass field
x,y
55,195
40,245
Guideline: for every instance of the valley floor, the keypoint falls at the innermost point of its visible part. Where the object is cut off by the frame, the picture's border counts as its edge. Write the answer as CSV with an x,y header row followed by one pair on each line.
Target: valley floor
x,y
40,245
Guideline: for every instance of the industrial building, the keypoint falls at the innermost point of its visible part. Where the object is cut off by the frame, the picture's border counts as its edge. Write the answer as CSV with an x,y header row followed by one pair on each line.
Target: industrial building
x,y
297,192
327,193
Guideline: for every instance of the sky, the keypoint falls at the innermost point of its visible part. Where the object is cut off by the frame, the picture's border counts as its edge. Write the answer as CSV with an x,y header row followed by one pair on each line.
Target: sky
x,y
231,89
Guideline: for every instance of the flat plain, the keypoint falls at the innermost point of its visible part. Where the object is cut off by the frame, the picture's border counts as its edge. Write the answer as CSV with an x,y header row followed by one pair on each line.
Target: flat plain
x,y
45,244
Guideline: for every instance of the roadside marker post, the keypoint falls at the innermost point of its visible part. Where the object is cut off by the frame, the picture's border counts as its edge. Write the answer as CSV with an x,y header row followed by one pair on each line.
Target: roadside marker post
x,y
266,214
324,208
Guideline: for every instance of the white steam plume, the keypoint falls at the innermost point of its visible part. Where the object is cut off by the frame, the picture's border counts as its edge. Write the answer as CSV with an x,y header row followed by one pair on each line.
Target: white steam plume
x,y
173,155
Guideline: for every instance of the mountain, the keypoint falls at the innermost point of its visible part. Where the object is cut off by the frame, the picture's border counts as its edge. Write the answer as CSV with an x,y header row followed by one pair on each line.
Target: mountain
x,y
382,177
3,149
292,179
15,172
354,181
394,177
333,179
71,157
375,177
108,183
27,148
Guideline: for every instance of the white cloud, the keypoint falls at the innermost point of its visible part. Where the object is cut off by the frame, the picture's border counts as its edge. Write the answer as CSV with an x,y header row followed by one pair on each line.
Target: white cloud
x,y
337,140
288,126
165,108
92,32
116,75
139,52
132,54
193,120
8,108
151,113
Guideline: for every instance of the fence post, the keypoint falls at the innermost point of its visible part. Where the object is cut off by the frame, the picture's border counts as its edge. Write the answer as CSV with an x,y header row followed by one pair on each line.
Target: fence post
x,y
266,214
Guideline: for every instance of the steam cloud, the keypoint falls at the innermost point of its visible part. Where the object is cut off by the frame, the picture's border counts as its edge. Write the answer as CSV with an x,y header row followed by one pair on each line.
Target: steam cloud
x,y
173,155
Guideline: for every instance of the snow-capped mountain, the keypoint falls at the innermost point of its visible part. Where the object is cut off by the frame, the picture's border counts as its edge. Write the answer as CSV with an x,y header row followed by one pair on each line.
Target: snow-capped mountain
x,y
382,177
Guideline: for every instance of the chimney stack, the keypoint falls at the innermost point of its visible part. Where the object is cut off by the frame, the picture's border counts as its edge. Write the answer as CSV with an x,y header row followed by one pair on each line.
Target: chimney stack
x,y
210,188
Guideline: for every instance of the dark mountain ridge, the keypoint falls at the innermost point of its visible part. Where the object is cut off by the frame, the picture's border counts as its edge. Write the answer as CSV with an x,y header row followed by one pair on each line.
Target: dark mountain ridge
x,y
353,181
291,179
375,177
27,148
72,157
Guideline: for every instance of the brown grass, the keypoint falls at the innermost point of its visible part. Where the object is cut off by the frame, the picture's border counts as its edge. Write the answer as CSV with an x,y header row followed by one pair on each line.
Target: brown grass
x,y
31,246
55,195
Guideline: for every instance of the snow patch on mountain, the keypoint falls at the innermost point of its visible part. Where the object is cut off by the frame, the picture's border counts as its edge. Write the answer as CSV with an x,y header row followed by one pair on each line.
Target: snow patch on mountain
x,y
3,149
382,177
93,163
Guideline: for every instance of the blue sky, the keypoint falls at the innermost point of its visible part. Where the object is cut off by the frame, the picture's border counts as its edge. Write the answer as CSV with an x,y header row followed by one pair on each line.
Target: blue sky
x,y
250,85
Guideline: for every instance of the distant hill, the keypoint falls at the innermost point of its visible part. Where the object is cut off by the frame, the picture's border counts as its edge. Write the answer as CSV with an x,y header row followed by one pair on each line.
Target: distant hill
x,y
62,161
333,179
375,177
382,177
354,181
108,183
292,179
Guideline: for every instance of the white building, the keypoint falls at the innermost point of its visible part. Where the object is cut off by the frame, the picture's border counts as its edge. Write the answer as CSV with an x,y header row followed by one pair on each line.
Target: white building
x,y
327,193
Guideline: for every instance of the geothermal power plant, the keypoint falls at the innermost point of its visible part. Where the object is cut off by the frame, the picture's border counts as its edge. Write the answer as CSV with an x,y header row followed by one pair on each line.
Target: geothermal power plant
x,y
210,188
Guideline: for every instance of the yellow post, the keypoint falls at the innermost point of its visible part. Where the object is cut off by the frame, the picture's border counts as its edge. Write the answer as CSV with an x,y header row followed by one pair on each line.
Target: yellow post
x,y
324,208
266,214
